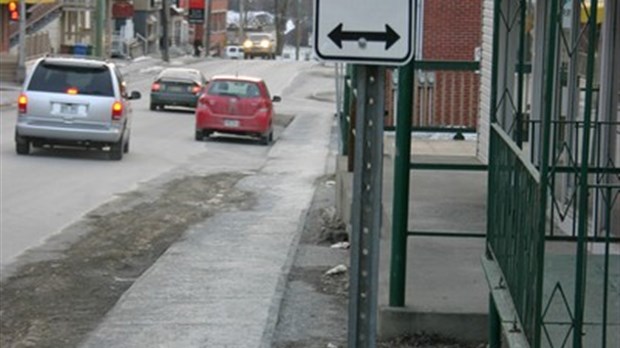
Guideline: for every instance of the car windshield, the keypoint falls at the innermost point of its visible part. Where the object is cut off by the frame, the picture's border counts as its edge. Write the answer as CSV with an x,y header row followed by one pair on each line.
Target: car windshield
x,y
61,78
241,89
259,37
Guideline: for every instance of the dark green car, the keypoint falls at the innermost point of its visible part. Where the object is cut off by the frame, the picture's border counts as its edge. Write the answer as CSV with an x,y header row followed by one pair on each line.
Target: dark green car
x,y
177,87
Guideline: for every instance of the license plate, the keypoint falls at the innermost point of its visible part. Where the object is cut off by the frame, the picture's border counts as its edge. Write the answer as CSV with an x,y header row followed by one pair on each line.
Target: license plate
x,y
69,109
231,123
176,89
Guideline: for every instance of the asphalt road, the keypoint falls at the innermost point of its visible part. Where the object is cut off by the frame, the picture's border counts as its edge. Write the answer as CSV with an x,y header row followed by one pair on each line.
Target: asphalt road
x,y
50,189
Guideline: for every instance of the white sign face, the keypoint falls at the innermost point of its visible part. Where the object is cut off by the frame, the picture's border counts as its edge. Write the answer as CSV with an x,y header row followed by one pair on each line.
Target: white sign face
x,y
364,31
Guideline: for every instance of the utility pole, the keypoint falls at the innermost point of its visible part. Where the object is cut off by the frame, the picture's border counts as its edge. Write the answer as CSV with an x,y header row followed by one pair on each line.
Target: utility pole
x,y
100,27
297,29
242,19
21,55
165,54
207,26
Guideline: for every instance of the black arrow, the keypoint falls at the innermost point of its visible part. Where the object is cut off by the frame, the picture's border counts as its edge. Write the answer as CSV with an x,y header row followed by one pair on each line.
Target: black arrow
x,y
389,36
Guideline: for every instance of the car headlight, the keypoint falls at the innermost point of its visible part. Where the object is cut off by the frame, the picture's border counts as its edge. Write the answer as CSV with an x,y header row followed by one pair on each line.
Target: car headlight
x,y
265,44
247,44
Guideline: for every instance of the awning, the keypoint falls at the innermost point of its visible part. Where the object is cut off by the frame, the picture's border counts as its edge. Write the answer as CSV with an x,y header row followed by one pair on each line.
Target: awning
x,y
586,13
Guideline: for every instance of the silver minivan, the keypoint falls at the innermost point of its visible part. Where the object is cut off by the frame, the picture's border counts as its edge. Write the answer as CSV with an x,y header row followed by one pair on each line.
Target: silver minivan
x,y
74,102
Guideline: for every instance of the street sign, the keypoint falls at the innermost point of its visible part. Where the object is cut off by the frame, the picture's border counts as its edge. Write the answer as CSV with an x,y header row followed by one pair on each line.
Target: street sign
x,y
364,31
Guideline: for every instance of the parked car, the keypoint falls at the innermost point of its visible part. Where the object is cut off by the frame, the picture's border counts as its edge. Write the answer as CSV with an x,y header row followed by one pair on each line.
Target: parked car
x,y
236,105
177,87
259,45
233,52
74,102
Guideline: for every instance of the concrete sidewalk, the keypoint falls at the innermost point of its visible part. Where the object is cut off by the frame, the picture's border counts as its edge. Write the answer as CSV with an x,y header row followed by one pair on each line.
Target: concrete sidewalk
x,y
222,283
446,291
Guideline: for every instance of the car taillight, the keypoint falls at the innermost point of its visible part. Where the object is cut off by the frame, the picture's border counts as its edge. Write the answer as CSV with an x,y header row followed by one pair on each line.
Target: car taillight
x,y
196,89
155,87
117,110
72,91
22,103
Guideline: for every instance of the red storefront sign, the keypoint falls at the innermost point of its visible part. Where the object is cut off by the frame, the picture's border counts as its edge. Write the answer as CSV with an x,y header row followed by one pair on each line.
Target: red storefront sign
x,y
196,13
122,9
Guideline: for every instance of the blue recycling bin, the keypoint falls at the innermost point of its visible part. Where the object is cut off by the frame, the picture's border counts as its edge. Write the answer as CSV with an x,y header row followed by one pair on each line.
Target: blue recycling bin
x,y
80,50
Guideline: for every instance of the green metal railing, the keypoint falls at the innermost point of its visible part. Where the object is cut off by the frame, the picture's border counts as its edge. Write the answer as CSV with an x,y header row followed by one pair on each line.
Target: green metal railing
x,y
552,178
412,104
446,96
514,218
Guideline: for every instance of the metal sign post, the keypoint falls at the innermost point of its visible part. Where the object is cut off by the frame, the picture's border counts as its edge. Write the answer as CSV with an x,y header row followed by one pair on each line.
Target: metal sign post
x,y
374,34
366,209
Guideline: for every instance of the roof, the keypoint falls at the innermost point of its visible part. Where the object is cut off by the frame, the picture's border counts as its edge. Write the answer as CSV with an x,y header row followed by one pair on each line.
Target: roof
x,y
76,61
180,74
237,78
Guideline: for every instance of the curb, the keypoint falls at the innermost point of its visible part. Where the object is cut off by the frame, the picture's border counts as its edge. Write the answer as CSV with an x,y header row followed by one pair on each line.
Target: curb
x,y
278,297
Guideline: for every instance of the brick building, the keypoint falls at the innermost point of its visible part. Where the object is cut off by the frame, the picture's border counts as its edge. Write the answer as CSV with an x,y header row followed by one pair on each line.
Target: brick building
x,y
219,8
449,31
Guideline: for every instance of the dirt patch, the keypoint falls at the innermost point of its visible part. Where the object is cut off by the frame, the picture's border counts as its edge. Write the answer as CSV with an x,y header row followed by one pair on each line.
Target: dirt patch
x,y
56,303
424,341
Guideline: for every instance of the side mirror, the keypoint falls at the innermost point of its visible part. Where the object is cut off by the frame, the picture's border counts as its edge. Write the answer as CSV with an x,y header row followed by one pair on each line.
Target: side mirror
x,y
276,98
135,95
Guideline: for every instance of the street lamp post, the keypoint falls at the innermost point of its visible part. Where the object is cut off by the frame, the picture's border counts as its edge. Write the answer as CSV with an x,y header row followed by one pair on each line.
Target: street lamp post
x,y
21,55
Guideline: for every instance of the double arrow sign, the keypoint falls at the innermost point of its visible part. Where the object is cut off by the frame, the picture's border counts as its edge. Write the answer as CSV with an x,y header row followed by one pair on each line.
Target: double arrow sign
x,y
389,36
369,32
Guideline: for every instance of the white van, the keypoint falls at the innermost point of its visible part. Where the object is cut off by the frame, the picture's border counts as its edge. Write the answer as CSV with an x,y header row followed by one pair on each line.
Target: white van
x,y
233,52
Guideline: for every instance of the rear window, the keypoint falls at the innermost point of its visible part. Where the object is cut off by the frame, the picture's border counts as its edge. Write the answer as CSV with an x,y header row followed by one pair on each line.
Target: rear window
x,y
59,79
241,89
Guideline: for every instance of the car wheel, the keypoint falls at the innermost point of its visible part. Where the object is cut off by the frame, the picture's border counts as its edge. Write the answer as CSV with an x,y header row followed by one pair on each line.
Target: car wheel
x,y
153,107
116,150
266,139
22,148
199,136
22,145
126,146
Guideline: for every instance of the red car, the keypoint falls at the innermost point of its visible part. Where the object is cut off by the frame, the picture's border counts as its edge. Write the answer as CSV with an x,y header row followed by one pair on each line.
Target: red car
x,y
236,105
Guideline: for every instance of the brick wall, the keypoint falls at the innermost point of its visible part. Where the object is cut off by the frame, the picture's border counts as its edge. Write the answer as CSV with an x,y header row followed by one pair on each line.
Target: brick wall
x,y
452,31
218,25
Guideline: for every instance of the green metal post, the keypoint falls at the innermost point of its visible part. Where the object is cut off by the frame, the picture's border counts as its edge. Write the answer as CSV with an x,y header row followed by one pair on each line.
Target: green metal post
x,y
400,210
606,266
100,27
495,325
494,319
548,90
521,73
581,262
495,62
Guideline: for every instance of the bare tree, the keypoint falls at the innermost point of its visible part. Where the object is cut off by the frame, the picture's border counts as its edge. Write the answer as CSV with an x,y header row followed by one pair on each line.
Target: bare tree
x,y
281,16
